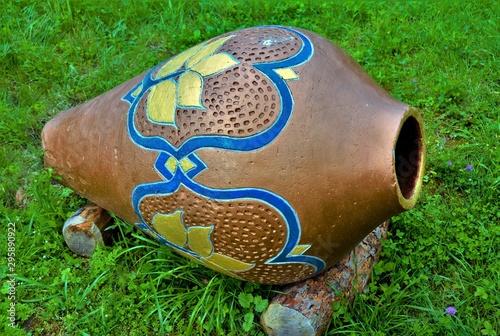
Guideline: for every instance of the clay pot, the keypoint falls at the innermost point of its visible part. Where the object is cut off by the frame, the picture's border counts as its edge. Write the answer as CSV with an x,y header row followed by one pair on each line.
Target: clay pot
x,y
266,153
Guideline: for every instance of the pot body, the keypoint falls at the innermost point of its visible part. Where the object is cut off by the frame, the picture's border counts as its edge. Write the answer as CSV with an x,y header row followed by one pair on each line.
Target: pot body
x,y
266,153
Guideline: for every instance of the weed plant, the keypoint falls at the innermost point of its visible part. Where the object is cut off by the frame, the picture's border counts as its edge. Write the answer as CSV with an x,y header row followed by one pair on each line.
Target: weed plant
x,y
439,273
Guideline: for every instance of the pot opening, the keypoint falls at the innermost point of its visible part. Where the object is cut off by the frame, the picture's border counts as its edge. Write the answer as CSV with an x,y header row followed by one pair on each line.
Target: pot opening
x,y
409,157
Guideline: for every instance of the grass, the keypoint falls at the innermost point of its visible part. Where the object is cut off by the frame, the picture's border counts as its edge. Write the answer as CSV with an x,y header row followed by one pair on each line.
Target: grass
x,y
441,57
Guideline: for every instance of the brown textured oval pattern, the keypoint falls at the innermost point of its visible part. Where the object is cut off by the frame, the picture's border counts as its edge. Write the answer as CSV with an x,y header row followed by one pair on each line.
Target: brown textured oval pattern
x,y
249,231
240,228
239,101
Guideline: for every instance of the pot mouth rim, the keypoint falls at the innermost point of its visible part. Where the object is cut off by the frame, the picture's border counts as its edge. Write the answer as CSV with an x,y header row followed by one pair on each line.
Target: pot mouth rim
x,y
409,158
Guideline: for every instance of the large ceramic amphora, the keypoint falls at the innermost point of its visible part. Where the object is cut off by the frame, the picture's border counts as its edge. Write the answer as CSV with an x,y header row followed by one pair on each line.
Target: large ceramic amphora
x,y
266,153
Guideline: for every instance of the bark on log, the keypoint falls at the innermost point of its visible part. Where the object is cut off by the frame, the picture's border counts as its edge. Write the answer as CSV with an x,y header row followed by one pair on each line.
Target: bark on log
x,y
305,308
85,229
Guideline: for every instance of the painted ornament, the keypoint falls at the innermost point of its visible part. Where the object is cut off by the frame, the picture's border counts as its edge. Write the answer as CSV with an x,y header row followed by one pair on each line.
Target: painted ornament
x,y
266,153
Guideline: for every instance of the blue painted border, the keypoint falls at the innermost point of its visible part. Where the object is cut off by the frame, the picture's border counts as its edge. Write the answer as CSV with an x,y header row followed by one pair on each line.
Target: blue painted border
x,y
173,181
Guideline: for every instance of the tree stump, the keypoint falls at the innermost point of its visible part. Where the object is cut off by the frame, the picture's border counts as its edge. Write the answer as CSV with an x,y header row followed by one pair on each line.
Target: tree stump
x,y
305,308
85,229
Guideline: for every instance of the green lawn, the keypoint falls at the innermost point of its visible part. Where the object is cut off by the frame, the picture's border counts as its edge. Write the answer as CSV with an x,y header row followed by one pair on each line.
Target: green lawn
x,y
439,56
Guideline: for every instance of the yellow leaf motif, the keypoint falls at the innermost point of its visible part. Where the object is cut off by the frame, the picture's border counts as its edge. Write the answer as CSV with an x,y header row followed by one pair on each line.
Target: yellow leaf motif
x,y
287,73
186,164
227,263
299,249
172,164
208,50
178,61
198,62
161,102
189,91
137,91
170,226
199,240
214,64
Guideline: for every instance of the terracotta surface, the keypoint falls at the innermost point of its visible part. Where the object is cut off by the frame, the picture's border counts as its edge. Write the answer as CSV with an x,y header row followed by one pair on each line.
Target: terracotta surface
x,y
265,153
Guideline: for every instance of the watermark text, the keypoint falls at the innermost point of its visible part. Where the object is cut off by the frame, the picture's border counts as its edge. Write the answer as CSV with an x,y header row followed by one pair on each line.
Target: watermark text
x,y
11,266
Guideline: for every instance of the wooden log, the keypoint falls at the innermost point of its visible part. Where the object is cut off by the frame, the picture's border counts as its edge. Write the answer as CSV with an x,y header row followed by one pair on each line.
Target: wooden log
x,y
85,229
305,308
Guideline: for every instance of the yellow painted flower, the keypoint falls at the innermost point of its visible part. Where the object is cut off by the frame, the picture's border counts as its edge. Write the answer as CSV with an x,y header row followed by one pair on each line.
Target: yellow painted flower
x,y
197,239
199,61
